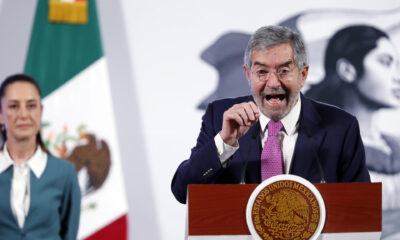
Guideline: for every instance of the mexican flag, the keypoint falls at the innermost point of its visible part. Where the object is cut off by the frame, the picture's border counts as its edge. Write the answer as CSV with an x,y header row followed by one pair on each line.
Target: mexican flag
x,y
65,56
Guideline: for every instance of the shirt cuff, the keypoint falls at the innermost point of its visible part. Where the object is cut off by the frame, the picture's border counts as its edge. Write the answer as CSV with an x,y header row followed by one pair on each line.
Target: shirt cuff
x,y
224,150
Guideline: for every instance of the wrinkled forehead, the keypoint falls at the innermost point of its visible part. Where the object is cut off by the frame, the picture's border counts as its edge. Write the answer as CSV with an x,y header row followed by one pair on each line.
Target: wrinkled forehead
x,y
277,55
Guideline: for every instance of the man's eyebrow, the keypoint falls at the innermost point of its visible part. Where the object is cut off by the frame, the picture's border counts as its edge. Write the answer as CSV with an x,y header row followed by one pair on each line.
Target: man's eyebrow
x,y
259,64
280,65
287,63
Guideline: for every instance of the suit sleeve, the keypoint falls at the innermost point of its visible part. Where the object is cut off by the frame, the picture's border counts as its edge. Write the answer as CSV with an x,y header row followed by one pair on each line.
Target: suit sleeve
x,y
204,164
353,166
71,206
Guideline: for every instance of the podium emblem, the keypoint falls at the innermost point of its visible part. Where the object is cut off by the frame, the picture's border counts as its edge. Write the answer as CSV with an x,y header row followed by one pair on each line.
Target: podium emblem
x,y
285,207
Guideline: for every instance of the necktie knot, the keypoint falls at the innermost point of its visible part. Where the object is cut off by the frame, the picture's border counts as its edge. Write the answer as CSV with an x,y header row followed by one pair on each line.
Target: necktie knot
x,y
274,128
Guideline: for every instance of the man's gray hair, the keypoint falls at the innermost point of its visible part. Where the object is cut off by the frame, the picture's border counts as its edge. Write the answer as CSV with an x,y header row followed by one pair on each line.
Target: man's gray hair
x,y
270,36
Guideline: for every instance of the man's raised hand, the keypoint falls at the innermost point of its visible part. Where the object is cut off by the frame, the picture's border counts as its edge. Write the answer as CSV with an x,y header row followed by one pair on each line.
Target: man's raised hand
x,y
237,120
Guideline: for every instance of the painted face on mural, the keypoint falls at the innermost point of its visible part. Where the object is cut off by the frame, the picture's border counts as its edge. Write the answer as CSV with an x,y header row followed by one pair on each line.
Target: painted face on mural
x,y
380,82
21,111
275,80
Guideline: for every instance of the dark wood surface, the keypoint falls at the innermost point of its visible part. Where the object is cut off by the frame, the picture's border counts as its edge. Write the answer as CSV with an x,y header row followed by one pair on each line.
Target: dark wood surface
x,y
220,209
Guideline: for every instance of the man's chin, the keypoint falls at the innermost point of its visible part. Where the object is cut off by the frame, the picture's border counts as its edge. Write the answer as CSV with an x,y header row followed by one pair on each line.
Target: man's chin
x,y
274,114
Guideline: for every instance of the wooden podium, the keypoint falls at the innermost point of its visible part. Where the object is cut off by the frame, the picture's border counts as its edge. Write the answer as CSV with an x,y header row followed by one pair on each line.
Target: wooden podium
x,y
353,211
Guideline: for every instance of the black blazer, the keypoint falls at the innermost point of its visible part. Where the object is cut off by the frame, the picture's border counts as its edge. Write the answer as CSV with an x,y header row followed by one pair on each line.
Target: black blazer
x,y
334,135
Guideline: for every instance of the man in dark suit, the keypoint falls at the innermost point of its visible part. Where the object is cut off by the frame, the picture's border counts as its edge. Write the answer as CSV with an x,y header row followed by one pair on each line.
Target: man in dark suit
x,y
234,131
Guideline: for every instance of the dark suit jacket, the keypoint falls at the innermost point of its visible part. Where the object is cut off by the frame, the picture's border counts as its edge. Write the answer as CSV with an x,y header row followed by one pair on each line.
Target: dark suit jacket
x,y
334,135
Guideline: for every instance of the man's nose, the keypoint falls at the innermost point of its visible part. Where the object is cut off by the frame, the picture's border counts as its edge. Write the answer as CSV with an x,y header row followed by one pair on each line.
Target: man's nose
x,y
273,80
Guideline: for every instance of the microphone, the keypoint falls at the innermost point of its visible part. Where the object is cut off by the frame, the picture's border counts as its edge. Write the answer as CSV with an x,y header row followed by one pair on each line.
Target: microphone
x,y
321,171
254,133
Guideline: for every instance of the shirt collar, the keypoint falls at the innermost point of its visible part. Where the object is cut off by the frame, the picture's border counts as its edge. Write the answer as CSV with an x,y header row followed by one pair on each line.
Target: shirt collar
x,y
5,160
37,163
289,122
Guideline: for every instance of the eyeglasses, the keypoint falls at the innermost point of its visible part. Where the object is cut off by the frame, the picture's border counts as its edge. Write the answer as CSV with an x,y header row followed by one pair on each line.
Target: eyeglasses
x,y
282,73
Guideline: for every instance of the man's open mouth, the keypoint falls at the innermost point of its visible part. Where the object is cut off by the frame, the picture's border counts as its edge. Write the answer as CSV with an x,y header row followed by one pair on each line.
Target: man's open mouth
x,y
274,98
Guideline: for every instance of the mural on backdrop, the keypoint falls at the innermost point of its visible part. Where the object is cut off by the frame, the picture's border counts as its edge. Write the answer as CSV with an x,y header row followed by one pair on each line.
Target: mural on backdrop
x,y
354,64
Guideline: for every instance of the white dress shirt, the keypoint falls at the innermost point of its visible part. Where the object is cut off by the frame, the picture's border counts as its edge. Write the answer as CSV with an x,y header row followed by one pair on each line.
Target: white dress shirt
x,y
20,185
287,136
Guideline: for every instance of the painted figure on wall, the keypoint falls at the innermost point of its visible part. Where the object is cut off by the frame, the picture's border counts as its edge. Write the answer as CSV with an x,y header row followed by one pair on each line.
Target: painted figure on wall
x,y
362,76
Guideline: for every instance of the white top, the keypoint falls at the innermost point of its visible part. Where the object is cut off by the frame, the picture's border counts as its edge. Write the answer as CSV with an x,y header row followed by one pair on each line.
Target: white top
x,y
287,136
20,186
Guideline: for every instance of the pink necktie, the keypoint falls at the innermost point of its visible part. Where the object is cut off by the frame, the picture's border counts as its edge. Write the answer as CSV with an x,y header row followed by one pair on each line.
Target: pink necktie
x,y
271,155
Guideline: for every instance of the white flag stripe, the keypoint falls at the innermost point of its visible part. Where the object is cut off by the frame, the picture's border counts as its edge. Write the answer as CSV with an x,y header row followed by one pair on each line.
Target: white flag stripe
x,y
86,100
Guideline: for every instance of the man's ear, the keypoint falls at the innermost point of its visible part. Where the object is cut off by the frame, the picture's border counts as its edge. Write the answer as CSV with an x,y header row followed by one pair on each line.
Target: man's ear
x,y
304,74
247,71
345,70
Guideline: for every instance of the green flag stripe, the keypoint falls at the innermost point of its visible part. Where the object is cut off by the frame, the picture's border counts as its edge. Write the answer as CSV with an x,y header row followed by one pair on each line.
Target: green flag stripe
x,y
57,52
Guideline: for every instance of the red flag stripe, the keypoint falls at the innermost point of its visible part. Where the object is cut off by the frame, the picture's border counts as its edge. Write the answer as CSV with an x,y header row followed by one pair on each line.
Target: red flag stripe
x,y
116,230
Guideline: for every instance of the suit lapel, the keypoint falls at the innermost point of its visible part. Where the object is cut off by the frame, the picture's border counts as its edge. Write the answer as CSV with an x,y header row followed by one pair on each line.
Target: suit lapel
x,y
304,162
5,200
250,150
